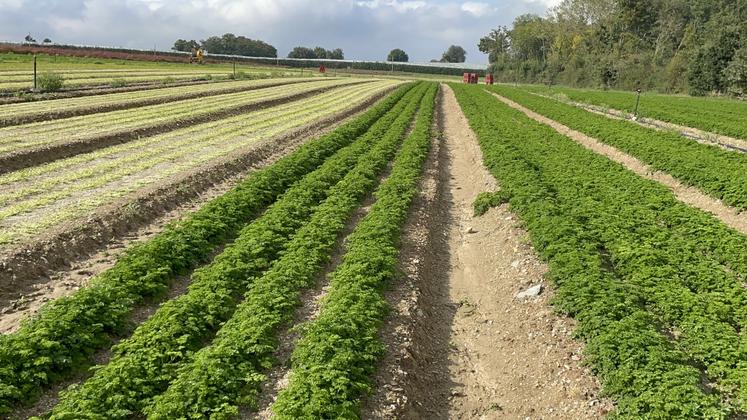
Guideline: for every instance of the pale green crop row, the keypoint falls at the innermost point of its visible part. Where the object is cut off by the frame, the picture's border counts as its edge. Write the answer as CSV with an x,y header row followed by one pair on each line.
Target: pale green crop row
x,y
29,136
36,199
27,83
24,109
104,75
76,73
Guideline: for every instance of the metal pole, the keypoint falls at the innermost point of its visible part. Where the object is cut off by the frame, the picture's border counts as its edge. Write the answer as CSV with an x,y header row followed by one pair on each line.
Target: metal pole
x,y
34,72
637,101
234,69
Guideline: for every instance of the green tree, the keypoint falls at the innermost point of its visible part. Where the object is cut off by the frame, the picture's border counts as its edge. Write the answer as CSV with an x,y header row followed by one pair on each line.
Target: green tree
x,y
302,52
496,44
397,55
184,45
454,54
735,74
320,52
336,54
238,45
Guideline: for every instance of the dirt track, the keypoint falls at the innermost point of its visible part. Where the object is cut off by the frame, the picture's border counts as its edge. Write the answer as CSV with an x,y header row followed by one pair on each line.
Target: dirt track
x,y
461,345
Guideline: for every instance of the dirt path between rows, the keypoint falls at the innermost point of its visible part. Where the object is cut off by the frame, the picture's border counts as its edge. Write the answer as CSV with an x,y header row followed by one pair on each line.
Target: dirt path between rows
x,y
689,195
701,136
464,346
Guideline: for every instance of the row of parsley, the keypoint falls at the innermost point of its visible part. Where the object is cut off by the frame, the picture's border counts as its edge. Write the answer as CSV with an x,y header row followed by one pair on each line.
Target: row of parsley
x,y
630,263
332,363
719,173
66,333
144,365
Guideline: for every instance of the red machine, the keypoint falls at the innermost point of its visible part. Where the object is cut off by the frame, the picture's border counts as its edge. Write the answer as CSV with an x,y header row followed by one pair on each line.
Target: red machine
x,y
489,79
471,78
322,69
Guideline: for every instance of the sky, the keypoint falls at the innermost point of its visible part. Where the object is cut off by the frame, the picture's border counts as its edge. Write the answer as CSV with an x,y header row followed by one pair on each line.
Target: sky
x,y
364,29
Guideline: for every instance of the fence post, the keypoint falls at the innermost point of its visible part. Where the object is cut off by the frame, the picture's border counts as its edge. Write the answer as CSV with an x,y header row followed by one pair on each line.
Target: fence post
x,y
234,70
637,101
34,72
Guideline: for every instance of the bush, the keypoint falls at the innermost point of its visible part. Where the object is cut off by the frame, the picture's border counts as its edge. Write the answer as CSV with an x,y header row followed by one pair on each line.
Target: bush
x,y
118,83
50,82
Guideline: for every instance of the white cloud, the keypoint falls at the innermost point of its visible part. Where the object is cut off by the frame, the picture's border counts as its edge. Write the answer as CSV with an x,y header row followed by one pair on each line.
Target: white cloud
x,y
477,9
399,6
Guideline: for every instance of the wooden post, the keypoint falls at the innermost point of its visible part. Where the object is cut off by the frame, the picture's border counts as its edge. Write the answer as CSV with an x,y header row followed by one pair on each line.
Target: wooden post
x,y
234,69
637,101
34,72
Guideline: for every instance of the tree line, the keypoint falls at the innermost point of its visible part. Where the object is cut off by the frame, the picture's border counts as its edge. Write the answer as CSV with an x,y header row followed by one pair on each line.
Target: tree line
x,y
229,44
675,46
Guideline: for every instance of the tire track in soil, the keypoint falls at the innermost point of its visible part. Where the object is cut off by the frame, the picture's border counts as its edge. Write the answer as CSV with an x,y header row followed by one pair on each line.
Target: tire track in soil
x,y
475,350
690,196
36,156
61,261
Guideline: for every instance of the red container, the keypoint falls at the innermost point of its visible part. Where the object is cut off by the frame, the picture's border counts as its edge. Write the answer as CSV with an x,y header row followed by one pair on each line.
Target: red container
x,y
466,78
489,79
474,78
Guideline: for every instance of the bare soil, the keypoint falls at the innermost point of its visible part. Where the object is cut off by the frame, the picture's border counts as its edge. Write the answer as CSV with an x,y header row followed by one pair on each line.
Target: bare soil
x,y
61,261
461,345
689,195
32,157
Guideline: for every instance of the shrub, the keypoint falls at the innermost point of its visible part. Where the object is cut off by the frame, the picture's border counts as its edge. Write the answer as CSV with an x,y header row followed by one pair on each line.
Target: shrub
x,y
118,83
50,82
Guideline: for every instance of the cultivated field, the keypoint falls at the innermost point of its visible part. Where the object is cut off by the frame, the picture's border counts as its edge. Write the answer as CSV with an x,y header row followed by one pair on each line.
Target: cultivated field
x,y
359,247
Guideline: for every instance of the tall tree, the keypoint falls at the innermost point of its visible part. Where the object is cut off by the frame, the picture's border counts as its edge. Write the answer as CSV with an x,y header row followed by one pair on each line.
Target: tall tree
x,y
336,54
184,45
302,52
320,52
238,45
397,55
454,54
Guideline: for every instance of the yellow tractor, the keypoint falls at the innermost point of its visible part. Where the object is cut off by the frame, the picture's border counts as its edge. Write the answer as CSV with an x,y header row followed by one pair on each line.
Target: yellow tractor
x,y
198,56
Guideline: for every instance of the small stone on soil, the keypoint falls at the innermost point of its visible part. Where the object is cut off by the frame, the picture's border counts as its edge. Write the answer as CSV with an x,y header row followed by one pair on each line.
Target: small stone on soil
x,y
530,292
